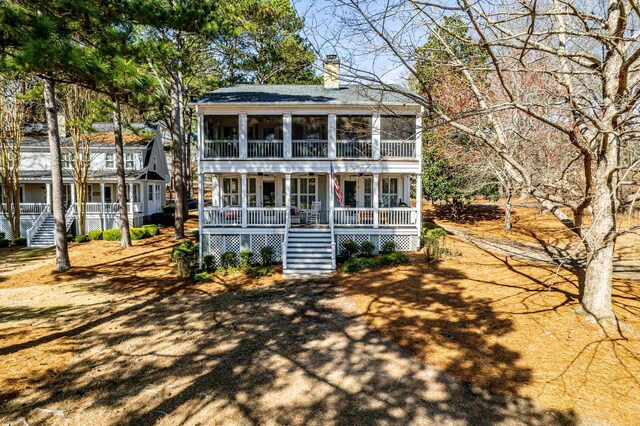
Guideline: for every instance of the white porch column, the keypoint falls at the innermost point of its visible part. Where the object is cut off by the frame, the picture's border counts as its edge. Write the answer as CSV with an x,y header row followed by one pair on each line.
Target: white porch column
x,y
130,202
243,179
287,195
376,200
73,192
406,191
48,185
419,138
419,200
200,189
332,135
242,119
287,135
102,224
200,202
375,136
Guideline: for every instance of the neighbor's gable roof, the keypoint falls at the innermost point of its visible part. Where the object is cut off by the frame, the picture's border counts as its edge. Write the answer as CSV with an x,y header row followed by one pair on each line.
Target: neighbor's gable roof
x,y
304,94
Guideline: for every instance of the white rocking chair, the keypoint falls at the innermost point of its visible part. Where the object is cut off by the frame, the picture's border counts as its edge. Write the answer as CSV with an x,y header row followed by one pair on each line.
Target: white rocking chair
x,y
313,215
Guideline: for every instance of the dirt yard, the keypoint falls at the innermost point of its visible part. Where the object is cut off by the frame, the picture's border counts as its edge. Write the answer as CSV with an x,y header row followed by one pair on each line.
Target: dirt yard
x,y
477,338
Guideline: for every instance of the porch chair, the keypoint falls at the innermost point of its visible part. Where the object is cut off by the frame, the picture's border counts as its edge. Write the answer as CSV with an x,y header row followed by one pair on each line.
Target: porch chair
x,y
313,215
296,216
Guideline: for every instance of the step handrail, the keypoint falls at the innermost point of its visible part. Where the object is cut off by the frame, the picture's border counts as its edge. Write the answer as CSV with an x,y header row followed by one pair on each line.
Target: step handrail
x,y
37,224
70,214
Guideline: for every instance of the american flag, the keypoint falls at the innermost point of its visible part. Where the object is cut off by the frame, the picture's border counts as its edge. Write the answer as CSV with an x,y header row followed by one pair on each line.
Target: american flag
x,y
336,186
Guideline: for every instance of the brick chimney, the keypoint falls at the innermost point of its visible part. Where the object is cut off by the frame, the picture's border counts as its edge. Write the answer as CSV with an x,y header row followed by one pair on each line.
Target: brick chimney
x,y
332,72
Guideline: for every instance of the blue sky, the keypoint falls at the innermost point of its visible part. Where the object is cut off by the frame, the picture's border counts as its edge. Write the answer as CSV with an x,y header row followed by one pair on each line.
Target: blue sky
x,y
326,32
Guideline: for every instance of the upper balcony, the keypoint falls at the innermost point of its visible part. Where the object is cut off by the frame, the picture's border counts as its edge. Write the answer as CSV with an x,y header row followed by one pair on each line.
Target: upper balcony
x,y
307,136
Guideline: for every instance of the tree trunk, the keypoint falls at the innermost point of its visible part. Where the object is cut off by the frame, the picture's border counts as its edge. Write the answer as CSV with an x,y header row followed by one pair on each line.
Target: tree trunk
x,y
507,210
125,238
595,291
57,188
176,138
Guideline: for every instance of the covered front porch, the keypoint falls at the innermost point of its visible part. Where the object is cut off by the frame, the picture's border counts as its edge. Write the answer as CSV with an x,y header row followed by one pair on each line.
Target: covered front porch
x,y
375,200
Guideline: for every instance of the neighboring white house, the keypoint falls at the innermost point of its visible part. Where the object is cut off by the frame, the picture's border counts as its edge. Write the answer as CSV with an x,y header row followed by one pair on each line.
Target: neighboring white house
x,y
265,160
146,175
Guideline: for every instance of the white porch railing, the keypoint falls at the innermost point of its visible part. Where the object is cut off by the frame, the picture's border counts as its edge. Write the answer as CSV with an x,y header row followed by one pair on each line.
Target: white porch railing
x,y
398,149
353,149
113,208
353,216
31,232
265,149
309,148
221,149
70,215
398,217
266,216
32,208
222,216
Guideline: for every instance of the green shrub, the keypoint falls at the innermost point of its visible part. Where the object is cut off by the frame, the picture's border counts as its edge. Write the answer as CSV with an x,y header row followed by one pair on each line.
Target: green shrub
x,y
82,238
196,234
20,241
367,248
208,263
229,260
357,264
69,237
388,247
95,235
350,248
4,243
246,256
185,256
260,271
201,277
111,235
152,230
433,240
2,235
231,270
429,225
138,233
266,256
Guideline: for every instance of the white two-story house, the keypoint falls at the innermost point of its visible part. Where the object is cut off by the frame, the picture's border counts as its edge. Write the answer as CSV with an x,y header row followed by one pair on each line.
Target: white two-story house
x,y
266,157
146,175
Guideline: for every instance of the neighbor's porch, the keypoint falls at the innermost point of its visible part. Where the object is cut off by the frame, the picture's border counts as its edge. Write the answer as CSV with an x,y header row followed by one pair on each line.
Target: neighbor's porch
x,y
309,199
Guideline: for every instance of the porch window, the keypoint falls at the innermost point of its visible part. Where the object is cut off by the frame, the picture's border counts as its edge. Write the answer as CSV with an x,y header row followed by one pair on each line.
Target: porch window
x,y
309,134
157,192
389,192
368,198
150,190
307,192
253,192
294,192
109,161
397,127
136,194
67,160
354,136
128,161
230,192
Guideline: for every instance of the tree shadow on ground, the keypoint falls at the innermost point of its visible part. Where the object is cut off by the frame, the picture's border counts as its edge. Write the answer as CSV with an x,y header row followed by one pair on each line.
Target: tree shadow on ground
x,y
467,214
292,354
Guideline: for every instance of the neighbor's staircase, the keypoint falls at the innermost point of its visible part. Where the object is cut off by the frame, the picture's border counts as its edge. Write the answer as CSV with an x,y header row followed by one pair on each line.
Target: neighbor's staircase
x,y
309,253
45,237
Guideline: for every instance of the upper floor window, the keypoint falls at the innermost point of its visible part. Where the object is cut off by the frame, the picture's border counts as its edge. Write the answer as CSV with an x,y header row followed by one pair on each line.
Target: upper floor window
x,y
221,127
310,127
230,192
155,163
397,127
67,160
128,161
353,127
264,128
109,161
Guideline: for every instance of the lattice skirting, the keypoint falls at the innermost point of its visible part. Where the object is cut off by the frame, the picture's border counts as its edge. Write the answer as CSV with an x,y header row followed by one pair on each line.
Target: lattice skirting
x,y
217,245
402,242
25,223
262,240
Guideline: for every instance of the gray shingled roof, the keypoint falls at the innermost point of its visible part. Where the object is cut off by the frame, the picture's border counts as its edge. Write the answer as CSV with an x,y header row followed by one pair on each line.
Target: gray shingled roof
x,y
303,94
98,174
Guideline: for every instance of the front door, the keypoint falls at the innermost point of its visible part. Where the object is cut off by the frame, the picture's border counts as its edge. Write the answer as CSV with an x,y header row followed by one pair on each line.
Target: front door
x,y
269,193
350,193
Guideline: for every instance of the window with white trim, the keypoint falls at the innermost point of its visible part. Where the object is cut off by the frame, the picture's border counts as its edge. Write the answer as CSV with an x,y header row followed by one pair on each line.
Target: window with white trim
x,y
307,192
368,197
155,163
150,190
389,192
109,161
128,161
230,192
67,160
252,193
157,192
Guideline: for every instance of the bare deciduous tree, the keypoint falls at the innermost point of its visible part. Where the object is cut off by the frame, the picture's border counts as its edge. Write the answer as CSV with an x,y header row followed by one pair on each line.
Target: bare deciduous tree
x,y
589,54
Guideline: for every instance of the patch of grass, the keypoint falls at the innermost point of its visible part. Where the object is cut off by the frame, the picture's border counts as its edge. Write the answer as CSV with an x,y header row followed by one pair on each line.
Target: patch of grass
x,y
260,271
357,264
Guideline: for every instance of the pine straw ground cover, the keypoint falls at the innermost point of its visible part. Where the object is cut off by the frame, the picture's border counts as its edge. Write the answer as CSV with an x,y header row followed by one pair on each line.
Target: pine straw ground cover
x,y
509,326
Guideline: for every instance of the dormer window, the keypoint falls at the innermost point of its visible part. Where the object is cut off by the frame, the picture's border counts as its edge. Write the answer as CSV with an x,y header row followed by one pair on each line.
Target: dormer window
x,y
67,160
155,163
109,162
128,161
